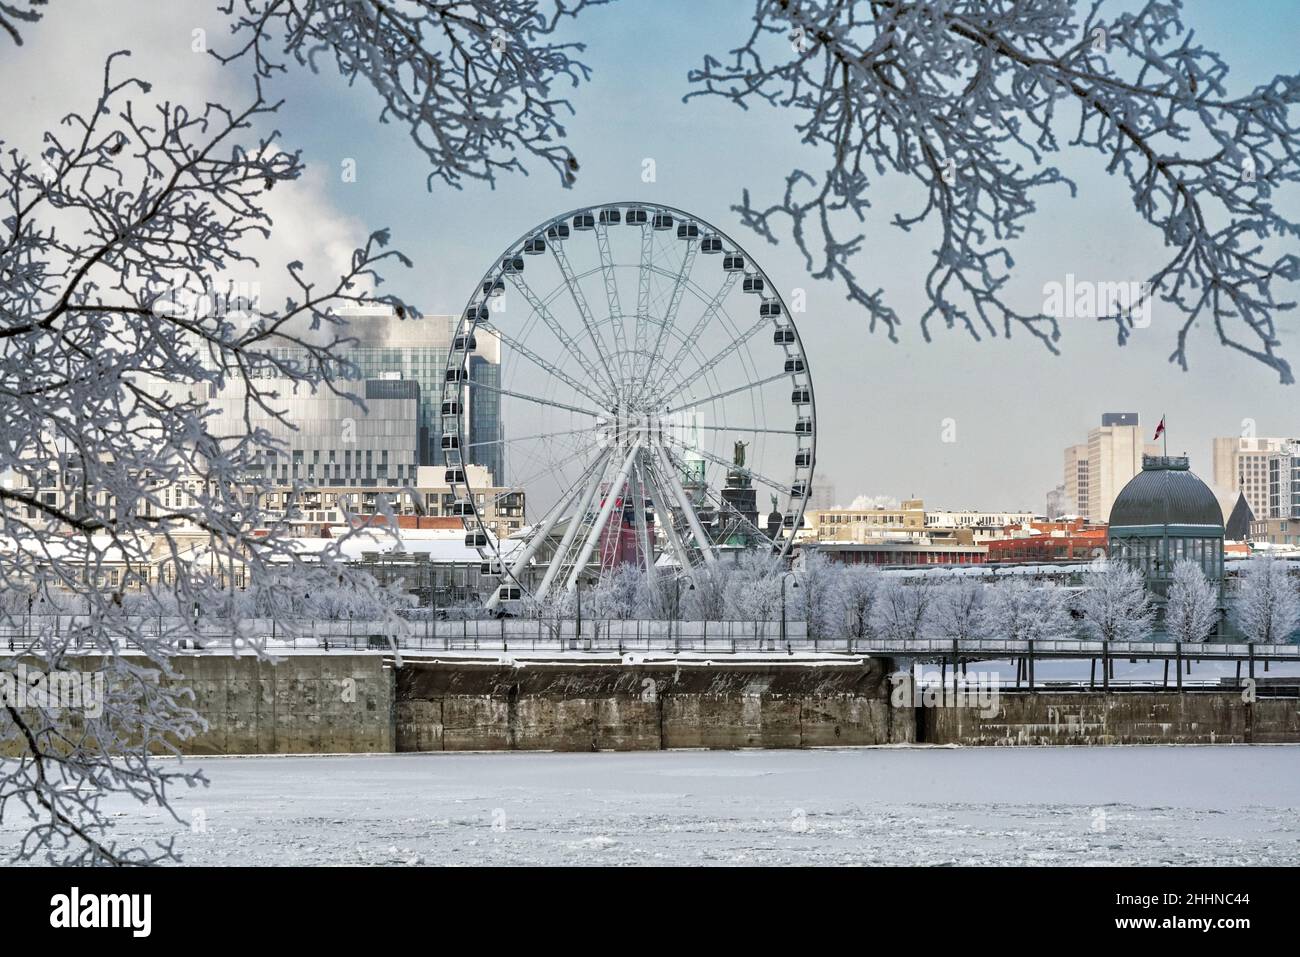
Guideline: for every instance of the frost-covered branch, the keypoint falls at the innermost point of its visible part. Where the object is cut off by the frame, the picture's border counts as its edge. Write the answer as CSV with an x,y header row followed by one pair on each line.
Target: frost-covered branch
x,y
115,327
968,98
473,82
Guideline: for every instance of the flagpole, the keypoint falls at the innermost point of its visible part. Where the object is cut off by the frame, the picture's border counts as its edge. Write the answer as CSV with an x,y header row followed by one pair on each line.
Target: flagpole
x,y
1165,433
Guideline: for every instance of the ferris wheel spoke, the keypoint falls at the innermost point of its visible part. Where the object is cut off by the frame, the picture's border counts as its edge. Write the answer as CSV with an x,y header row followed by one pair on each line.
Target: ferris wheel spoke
x,y
746,428
584,310
546,466
669,318
540,362
528,438
611,295
687,344
477,384
712,363
731,466
544,313
723,395
643,273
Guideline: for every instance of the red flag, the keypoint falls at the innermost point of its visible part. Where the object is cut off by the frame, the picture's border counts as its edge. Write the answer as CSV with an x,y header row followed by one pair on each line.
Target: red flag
x,y
1159,429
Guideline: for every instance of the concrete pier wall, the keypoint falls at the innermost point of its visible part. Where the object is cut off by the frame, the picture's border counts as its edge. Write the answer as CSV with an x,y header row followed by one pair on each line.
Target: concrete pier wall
x,y
305,704
1155,717
613,705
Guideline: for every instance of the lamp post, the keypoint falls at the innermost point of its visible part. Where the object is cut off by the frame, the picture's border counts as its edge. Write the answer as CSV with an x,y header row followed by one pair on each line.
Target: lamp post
x,y
784,576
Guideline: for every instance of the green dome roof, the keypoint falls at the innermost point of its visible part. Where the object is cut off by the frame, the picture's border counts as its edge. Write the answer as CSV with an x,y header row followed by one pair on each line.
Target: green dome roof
x,y
1165,492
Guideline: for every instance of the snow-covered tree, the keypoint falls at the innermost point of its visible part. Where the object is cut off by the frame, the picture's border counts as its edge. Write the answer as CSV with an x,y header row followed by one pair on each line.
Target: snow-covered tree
x,y
818,600
959,607
618,593
113,330
904,609
858,589
1019,610
1192,609
967,98
117,321
754,588
707,601
1266,607
1115,603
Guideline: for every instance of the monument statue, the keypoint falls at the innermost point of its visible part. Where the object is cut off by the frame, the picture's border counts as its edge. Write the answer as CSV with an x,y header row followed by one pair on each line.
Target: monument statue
x,y
739,453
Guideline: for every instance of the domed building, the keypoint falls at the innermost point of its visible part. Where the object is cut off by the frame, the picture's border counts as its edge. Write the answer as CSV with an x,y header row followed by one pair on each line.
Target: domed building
x,y
1164,515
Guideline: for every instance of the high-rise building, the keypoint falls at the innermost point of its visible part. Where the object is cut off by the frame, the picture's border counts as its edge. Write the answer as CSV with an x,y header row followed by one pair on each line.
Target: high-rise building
x,y
1115,450
1076,479
1253,467
1284,483
327,439
417,349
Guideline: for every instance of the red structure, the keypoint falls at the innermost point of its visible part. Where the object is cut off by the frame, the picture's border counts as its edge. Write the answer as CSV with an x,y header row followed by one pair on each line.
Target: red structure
x,y
1071,541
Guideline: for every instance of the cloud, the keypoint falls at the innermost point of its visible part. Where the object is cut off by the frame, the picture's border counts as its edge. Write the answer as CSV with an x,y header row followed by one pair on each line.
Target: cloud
x,y
59,70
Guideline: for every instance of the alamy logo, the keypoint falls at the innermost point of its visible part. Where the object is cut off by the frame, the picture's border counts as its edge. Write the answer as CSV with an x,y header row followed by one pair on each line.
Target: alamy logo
x,y
928,689
103,910
1084,299
53,690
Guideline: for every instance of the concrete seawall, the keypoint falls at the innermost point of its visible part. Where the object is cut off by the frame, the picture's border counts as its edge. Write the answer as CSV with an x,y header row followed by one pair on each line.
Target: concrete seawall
x,y
311,704
650,704
1155,717
340,702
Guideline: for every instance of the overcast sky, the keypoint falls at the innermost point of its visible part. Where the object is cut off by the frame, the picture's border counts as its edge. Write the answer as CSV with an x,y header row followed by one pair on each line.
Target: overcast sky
x,y
881,406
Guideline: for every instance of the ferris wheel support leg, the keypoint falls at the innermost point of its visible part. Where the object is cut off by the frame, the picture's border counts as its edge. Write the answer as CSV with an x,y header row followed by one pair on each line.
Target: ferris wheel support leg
x,y
642,528
615,491
661,499
584,506
540,538
697,531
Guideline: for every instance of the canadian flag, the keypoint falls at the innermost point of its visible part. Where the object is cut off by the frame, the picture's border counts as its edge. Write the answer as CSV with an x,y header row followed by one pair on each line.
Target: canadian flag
x,y
1159,429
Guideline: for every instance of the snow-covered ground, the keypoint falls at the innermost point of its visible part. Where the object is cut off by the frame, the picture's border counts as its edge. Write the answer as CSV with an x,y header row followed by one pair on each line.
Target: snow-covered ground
x,y
1129,805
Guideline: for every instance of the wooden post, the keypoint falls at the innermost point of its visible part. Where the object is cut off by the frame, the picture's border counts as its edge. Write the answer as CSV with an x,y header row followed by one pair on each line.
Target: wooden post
x,y
1092,674
1105,666
1166,679
1031,666
1252,661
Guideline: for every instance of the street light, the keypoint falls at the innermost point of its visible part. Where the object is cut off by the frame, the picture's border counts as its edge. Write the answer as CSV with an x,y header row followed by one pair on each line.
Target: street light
x,y
784,576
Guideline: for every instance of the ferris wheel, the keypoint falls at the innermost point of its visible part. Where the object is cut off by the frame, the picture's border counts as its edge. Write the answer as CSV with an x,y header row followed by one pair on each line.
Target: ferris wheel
x,y
652,397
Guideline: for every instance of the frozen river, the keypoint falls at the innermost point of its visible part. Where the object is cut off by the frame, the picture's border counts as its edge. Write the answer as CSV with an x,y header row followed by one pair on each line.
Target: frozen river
x,y
934,806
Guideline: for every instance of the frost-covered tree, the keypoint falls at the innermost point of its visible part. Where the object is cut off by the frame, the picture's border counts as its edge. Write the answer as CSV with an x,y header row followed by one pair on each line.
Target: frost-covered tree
x,y
618,593
1115,603
114,328
968,99
818,601
904,609
1266,607
474,82
754,588
859,586
959,608
1192,609
707,600
1019,610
